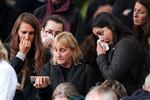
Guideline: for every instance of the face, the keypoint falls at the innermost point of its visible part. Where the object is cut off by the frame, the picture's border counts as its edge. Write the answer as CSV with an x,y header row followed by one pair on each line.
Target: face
x,y
63,55
26,32
105,34
53,28
140,14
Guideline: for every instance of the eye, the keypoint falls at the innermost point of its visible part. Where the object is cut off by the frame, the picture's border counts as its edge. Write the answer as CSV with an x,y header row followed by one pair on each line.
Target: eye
x,y
31,33
23,32
100,33
62,50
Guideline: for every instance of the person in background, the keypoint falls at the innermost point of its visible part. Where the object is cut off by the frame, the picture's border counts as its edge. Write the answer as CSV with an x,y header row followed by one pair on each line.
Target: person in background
x,y
116,86
26,53
64,90
141,20
8,16
101,93
66,65
119,55
66,9
53,25
141,94
8,77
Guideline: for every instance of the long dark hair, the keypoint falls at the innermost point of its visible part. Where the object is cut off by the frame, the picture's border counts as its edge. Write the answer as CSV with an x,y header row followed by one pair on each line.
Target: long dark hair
x,y
143,32
108,20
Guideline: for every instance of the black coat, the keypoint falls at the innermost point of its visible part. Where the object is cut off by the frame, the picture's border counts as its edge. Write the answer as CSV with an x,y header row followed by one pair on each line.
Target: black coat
x,y
138,95
29,92
81,75
8,16
123,63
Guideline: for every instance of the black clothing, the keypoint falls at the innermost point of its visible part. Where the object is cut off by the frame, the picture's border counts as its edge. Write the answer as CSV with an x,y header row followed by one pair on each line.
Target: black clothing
x,y
138,95
81,75
123,63
8,16
30,92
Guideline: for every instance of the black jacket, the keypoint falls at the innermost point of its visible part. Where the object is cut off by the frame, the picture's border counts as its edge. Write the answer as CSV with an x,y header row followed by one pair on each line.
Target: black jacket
x,y
138,95
8,16
81,75
29,92
123,63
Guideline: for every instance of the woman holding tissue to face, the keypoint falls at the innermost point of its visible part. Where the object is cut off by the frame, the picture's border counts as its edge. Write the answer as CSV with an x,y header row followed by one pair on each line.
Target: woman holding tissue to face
x,y
118,52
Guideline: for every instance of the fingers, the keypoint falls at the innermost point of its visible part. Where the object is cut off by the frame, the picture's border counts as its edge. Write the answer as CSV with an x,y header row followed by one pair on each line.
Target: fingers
x,y
24,46
48,43
40,82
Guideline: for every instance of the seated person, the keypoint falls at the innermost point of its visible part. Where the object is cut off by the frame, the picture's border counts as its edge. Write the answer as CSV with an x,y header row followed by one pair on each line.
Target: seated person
x,y
66,65
101,93
141,94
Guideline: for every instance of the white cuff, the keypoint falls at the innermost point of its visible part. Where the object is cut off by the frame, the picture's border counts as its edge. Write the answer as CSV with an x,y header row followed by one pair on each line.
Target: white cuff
x,y
21,56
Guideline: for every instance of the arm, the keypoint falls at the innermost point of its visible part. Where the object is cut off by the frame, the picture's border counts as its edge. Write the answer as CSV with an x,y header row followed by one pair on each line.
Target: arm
x,y
8,81
45,93
119,60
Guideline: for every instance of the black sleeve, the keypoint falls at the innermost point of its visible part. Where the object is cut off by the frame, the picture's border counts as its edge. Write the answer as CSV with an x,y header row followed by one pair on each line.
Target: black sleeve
x,y
17,64
119,63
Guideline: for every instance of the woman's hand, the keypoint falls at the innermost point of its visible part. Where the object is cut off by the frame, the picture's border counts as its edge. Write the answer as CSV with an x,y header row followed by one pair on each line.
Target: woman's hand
x,y
100,50
24,46
41,82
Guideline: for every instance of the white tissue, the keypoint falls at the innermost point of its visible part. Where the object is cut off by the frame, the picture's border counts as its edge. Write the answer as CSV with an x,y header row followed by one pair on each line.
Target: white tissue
x,y
103,45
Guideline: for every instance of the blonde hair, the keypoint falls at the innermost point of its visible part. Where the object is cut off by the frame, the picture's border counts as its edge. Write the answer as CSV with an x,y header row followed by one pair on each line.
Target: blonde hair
x,y
65,89
3,52
103,93
147,81
68,40
116,86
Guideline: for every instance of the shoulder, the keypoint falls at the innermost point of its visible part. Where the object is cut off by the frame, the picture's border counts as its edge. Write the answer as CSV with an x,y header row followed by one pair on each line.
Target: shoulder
x,y
5,67
40,11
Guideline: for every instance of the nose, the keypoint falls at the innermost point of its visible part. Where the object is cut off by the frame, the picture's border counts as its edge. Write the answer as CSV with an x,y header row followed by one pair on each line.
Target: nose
x,y
27,36
135,14
58,54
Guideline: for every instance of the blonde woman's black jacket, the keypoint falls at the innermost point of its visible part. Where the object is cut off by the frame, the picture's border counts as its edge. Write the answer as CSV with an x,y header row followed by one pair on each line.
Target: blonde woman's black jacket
x,y
123,62
81,75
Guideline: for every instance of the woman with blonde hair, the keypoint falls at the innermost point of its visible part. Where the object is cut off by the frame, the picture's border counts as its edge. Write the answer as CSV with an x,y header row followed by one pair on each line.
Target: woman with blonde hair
x,y
67,65
8,78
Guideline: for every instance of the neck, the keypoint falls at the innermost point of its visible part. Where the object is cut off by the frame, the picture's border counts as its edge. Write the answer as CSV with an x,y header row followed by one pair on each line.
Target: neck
x,y
67,65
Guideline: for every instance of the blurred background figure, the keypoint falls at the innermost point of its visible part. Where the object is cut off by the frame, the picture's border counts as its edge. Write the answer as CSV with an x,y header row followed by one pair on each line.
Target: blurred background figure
x,y
8,15
101,93
8,78
123,10
52,26
141,94
64,90
28,5
116,86
141,20
68,12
